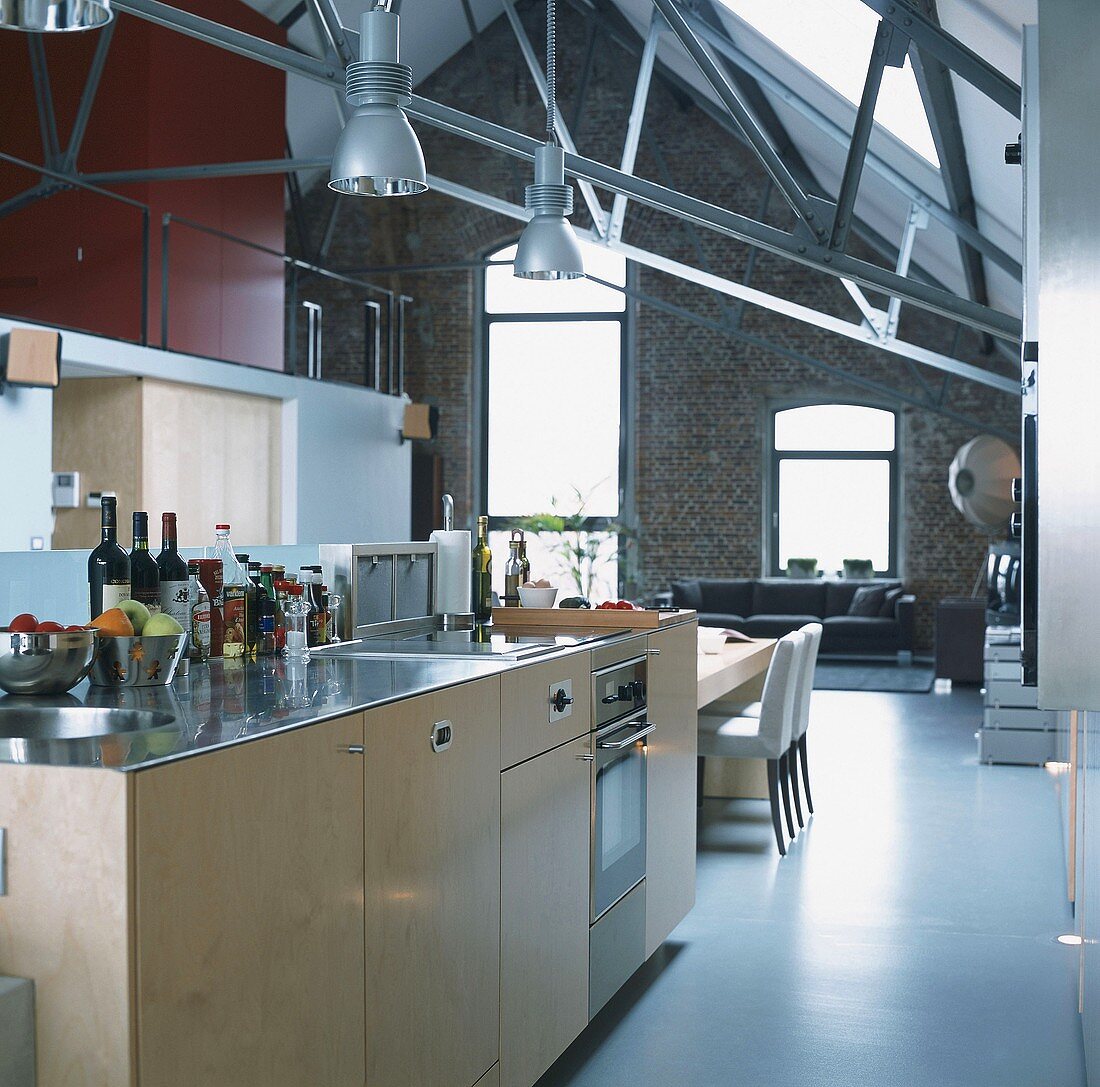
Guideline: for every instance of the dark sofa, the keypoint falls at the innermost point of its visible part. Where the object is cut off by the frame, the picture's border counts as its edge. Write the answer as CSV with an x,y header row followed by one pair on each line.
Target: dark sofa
x,y
772,607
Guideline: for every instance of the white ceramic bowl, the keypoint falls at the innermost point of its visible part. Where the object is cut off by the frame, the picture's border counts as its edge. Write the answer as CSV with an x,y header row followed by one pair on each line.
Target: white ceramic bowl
x,y
538,598
711,640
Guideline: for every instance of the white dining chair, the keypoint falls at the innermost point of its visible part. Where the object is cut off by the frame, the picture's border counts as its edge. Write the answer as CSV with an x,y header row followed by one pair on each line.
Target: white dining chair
x,y
797,750
767,736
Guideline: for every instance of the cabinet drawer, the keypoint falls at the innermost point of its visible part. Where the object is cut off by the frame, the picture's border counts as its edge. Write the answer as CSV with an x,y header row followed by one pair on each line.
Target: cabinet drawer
x,y
604,656
529,722
1008,670
1012,717
1004,692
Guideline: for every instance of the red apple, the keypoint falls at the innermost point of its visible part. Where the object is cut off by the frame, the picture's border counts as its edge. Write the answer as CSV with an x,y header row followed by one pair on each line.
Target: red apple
x,y
24,624
49,627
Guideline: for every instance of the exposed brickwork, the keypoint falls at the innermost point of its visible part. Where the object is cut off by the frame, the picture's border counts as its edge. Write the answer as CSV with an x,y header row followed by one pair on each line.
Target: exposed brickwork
x,y
701,396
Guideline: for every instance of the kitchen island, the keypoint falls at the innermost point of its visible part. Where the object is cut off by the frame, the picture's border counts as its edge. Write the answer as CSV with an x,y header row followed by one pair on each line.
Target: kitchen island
x,y
345,872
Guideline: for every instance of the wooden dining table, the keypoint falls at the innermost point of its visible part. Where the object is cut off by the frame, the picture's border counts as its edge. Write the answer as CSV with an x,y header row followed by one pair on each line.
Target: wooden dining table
x,y
735,665
734,675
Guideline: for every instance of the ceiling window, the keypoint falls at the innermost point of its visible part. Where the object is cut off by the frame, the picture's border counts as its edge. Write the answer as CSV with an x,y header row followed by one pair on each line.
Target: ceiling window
x,y
833,40
553,408
833,485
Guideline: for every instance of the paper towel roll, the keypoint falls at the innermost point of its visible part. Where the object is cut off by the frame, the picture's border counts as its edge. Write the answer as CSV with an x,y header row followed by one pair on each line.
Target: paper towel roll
x,y
453,577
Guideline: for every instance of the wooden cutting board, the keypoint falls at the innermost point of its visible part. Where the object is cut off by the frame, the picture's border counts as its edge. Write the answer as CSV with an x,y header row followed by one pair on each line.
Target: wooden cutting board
x,y
589,618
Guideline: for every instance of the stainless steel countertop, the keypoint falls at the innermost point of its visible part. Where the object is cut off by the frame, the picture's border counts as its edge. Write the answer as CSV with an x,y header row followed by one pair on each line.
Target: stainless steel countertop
x,y
221,704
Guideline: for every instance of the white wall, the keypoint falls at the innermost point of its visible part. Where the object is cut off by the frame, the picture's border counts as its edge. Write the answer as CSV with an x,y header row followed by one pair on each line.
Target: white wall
x,y
346,476
26,437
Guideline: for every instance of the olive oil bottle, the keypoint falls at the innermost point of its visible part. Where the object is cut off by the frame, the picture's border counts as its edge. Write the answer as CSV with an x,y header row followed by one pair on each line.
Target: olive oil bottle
x,y
513,575
482,573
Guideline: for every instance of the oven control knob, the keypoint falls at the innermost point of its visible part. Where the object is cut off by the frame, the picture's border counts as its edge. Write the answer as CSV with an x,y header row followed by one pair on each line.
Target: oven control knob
x,y
560,700
1017,490
1014,153
626,692
1015,526
639,690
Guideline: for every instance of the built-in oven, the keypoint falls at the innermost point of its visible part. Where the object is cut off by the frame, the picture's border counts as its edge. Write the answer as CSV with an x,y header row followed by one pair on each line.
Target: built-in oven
x,y
618,842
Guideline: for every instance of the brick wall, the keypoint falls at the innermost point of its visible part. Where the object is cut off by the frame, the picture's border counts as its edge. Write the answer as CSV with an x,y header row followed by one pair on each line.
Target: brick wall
x,y
700,394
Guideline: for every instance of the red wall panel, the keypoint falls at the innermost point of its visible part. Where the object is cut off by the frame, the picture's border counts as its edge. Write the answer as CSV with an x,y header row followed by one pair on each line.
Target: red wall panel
x,y
164,100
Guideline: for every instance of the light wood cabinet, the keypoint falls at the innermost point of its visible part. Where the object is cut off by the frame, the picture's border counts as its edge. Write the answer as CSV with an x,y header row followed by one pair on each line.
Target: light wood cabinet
x,y
142,438
432,882
527,726
671,812
249,914
544,886
65,920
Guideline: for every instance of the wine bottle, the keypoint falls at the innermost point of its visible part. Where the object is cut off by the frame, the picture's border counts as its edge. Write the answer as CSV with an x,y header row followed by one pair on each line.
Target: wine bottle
x,y
108,564
513,575
234,595
144,575
482,573
175,586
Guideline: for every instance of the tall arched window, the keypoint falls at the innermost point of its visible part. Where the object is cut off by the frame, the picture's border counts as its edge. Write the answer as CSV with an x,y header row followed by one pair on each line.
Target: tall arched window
x,y
833,487
552,401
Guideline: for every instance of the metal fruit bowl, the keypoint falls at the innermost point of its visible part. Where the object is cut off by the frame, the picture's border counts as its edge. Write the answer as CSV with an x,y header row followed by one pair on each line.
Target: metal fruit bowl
x,y
138,661
45,664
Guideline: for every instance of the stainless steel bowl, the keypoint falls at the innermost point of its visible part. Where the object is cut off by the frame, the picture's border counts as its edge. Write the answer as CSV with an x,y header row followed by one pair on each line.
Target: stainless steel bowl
x,y
45,664
137,662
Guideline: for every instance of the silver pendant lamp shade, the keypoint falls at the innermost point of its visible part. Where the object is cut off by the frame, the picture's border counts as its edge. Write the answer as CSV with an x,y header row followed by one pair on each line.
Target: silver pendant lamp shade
x,y
51,16
378,153
980,481
548,248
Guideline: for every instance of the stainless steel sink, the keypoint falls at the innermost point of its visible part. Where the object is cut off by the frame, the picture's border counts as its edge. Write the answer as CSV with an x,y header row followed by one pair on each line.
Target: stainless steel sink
x,y
33,721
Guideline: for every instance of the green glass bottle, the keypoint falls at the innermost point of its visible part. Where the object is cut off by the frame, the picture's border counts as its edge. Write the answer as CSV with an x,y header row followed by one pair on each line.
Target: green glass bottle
x,y
482,573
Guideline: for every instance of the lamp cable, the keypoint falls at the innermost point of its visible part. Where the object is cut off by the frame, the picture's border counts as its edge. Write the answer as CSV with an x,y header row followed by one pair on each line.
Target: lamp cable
x,y
551,72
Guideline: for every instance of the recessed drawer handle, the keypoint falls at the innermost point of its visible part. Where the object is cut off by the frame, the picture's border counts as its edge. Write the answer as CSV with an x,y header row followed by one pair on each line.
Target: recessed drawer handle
x,y
442,735
3,861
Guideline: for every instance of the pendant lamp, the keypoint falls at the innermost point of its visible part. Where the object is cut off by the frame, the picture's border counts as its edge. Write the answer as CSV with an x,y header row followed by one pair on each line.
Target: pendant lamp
x,y
548,248
51,16
378,153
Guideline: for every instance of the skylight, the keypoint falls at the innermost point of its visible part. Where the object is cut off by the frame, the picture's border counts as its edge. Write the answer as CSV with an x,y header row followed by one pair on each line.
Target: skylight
x,y
833,40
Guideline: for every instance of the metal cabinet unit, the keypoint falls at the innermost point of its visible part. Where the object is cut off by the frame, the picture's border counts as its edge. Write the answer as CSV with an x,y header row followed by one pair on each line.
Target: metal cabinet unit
x,y
1013,729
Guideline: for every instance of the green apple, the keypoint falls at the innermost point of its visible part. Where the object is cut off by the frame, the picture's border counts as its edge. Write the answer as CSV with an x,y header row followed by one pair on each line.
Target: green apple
x,y
161,625
136,612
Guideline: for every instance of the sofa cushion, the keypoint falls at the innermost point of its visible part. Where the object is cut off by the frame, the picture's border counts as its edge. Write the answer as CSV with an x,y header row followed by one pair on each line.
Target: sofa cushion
x,y
789,598
774,626
720,619
686,594
839,593
867,601
889,602
732,595
859,634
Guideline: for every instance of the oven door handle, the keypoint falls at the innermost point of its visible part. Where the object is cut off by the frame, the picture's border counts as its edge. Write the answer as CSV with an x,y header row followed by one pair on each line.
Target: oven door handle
x,y
618,745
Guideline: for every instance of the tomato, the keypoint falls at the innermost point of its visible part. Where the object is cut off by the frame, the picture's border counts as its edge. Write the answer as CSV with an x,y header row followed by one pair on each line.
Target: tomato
x,y
24,624
606,605
49,627
624,605
81,629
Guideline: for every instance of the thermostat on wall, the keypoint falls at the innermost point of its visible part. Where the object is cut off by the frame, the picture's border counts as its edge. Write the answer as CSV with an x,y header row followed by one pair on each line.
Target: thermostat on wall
x,y
66,490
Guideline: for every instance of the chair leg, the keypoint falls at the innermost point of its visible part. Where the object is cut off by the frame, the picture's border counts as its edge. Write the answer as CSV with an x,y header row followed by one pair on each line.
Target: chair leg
x,y
792,770
700,773
805,771
785,782
773,798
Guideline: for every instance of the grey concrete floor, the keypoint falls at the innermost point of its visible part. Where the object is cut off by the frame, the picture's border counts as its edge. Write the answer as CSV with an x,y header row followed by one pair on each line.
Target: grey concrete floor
x,y
907,938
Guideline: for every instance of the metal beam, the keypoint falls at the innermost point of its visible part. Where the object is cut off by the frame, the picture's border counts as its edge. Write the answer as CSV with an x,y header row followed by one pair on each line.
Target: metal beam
x,y
591,200
636,120
938,95
825,124
917,219
644,192
26,198
334,33
87,98
929,35
861,137
776,167
787,308
211,169
43,99
725,222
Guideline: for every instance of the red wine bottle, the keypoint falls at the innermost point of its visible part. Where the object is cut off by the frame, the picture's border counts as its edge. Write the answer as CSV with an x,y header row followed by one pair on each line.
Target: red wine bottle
x,y
108,564
144,575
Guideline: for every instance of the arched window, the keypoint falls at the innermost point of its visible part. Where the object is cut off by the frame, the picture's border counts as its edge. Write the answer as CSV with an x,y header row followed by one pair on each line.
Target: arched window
x,y
552,404
833,487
